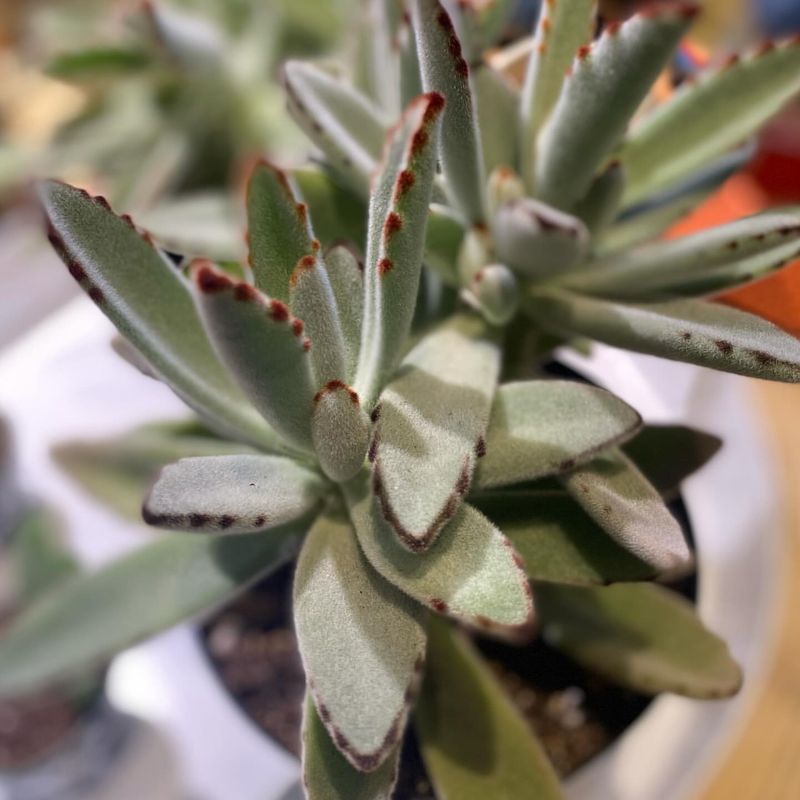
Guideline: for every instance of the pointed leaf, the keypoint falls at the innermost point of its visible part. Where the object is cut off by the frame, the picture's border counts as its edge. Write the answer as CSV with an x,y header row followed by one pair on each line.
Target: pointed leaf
x,y
479,24
362,643
91,617
346,276
444,70
429,429
344,124
497,103
474,742
328,776
608,82
150,304
708,117
496,293
616,495
707,334
541,428
189,39
263,346
470,573
640,635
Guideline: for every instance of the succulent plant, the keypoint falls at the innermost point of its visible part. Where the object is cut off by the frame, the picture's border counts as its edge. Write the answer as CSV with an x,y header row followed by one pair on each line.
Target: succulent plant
x,y
398,442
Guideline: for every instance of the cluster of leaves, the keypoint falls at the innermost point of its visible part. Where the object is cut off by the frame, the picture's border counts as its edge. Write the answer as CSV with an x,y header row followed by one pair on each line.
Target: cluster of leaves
x,y
399,441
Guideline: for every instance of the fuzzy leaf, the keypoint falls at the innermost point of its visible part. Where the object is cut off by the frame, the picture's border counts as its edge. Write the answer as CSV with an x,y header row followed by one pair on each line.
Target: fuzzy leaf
x,y
346,276
279,233
263,346
444,70
598,209
541,428
559,542
708,117
442,242
497,104
704,263
608,82
150,304
474,742
410,77
707,334
496,292
90,618
398,215
362,643
538,240
328,776
189,39
470,573
340,121
380,57
428,434
640,635
231,494
479,23
616,495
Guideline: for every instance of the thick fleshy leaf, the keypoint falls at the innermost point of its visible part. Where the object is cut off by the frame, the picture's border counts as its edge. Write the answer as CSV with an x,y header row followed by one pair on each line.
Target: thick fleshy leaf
x,y
497,103
471,571
640,635
707,117
279,234
474,742
616,495
410,76
231,494
398,216
187,38
264,347
607,83
98,63
429,429
563,27
340,431
704,263
344,124
445,70
150,304
598,209
346,276
541,428
707,334
558,541
327,775
479,23
362,643
379,59
443,239
90,618
495,291
538,240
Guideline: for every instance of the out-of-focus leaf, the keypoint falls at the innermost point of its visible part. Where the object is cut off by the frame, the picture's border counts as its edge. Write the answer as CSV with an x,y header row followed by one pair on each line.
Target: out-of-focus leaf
x,y
346,276
98,63
497,105
598,209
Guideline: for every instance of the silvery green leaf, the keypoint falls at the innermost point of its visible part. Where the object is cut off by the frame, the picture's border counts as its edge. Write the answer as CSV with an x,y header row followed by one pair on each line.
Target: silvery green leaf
x,y
538,240
327,775
704,263
616,495
444,70
443,239
90,618
608,81
344,124
384,18
151,305
599,208
497,103
639,635
410,77
559,542
339,430
707,117
430,422
362,643
474,741
470,572
346,276
279,233
190,39
263,346
496,292
708,334
398,215
479,23
504,186
547,427
231,494
562,28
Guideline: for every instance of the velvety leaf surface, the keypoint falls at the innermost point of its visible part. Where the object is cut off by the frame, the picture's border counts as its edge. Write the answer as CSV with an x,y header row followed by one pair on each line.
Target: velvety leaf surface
x,y
362,643
474,742
187,38
429,428
346,276
231,494
616,495
496,292
92,616
497,103
642,636
443,239
150,304
598,209
327,775
541,428
707,334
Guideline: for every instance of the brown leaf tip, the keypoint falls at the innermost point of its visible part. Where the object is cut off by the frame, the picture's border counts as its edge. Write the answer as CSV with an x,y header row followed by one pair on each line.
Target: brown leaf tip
x,y
405,180
393,224
208,279
583,52
278,311
385,266
419,141
305,264
337,386
480,447
436,103
613,27
297,327
439,605
245,293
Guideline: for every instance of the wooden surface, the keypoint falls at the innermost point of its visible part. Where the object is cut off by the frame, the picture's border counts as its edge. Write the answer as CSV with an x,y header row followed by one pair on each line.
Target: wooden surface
x,y
765,761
